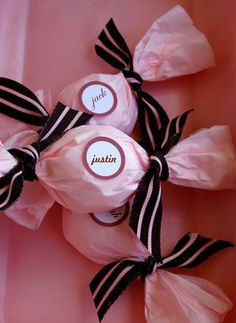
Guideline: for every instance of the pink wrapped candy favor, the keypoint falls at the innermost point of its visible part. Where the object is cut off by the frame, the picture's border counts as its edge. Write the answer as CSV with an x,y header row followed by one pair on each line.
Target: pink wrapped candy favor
x,y
171,47
74,169
30,209
80,185
20,153
204,160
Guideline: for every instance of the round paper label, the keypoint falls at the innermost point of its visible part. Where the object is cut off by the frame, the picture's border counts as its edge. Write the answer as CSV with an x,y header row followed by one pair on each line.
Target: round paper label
x,y
98,98
113,217
104,158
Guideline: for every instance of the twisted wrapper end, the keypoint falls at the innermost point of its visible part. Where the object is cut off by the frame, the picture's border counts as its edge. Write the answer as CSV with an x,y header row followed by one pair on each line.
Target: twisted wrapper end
x,y
113,279
19,102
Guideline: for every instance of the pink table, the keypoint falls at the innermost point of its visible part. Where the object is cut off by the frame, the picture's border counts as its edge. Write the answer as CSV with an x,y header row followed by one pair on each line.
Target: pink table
x,y
48,44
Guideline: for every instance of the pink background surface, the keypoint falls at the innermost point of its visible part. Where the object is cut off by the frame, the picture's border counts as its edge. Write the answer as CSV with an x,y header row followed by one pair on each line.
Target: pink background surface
x,y
49,44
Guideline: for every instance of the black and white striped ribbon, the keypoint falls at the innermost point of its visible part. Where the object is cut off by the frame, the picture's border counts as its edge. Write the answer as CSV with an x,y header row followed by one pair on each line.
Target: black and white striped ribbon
x,y
192,250
61,120
114,278
11,186
20,103
170,134
28,157
112,48
111,281
146,213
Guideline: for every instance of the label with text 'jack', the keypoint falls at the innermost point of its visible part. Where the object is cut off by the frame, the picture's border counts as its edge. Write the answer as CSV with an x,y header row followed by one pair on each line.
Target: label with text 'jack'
x,y
98,98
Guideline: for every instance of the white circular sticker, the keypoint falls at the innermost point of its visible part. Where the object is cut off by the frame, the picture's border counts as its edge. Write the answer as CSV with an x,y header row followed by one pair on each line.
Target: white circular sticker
x,y
113,217
98,98
103,157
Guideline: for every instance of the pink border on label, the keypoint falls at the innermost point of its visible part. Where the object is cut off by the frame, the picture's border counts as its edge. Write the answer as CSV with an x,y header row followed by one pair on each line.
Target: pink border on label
x,y
103,84
101,138
122,219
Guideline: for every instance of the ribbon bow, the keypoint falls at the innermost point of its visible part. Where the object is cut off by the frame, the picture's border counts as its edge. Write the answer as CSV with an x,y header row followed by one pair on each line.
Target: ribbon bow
x,y
109,283
114,50
146,213
18,102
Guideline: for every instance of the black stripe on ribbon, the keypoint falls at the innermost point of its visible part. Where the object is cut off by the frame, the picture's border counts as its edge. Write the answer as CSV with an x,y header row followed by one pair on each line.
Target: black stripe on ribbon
x,y
111,281
170,135
152,119
113,48
28,157
114,278
20,103
61,120
10,186
192,250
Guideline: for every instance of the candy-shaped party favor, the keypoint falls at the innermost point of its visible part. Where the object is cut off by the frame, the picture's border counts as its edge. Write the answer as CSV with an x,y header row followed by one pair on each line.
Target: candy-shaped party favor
x,y
21,114
21,154
204,160
171,47
82,176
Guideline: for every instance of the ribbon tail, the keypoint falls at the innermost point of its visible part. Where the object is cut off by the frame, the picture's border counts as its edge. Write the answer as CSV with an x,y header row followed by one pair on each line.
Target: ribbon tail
x,y
146,213
192,250
20,103
11,186
62,119
171,134
152,118
111,281
112,47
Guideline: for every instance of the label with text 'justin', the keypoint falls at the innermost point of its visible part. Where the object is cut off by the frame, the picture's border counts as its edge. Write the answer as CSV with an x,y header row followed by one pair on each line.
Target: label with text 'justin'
x,y
103,157
97,98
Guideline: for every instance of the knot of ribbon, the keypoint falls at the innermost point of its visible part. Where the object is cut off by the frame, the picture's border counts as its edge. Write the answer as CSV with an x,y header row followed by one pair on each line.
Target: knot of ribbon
x,y
27,158
109,283
134,79
159,164
149,267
